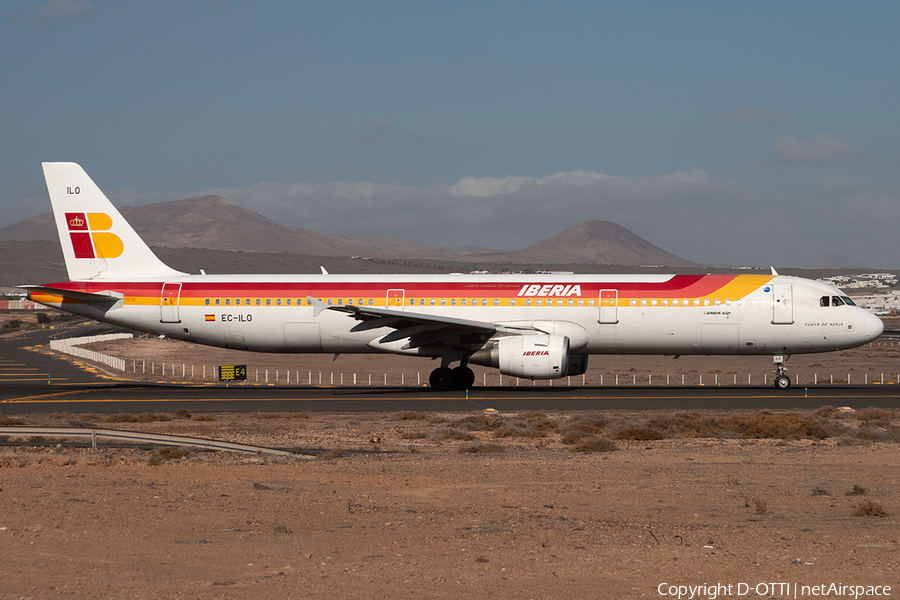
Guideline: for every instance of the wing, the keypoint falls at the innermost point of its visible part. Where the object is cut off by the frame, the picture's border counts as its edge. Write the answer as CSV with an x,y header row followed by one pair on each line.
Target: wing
x,y
421,329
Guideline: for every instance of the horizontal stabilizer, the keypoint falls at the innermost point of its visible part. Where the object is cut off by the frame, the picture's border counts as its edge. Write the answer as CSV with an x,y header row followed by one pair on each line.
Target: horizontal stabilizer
x,y
104,297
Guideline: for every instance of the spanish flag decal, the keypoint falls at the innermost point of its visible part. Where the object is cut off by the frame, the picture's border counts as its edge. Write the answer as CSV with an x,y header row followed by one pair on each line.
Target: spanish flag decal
x,y
209,317
90,236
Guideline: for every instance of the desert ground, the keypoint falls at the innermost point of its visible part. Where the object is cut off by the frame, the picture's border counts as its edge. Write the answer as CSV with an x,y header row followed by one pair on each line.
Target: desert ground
x,y
602,504
423,505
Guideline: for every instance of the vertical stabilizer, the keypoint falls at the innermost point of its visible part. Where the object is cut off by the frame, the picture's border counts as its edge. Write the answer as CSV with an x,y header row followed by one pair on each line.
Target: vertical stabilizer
x,y
97,242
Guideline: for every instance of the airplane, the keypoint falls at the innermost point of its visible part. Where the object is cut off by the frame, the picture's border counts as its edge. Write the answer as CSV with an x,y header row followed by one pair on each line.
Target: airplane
x,y
528,326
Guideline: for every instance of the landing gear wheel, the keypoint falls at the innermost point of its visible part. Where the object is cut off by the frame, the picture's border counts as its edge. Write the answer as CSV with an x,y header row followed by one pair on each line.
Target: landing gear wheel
x,y
782,382
463,378
441,379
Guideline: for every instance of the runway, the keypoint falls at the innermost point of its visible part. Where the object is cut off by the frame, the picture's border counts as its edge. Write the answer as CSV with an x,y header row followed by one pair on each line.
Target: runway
x,y
37,382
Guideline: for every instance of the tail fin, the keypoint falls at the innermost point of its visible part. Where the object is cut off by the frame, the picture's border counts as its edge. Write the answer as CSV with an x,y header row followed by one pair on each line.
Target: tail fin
x,y
97,242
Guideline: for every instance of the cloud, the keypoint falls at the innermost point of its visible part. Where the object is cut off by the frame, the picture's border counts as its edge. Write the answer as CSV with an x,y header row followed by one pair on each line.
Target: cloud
x,y
55,13
688,213
753,115
826,147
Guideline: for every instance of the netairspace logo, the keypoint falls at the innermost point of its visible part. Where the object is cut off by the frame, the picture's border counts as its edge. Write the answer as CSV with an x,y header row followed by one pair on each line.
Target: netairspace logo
x,y
771,590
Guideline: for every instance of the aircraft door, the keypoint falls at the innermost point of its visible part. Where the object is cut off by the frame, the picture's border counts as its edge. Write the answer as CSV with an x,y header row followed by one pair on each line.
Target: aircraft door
x,y
395,299
168,303
782,304
609,300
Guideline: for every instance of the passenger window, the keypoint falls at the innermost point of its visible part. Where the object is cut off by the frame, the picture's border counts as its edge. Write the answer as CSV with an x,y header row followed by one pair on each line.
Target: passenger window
x,y
443,301
591,302
484,301
412,301
278,302
696,302
643,302
268,302
824,301
512,301
653,302
227,301
258,301
836,301
207,301
431,302
218,302
329,301
538,302
453,302
633,302
462,302
570,302
580,302
718,302
528,302
665,302
496,302
237,301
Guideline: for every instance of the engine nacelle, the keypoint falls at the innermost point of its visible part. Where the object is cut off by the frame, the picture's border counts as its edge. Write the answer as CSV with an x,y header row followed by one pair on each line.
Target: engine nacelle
x,y
531,356
577,364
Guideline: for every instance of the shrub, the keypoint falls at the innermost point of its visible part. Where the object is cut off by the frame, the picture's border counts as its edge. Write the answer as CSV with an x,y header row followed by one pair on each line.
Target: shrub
x,y
183,413
136,418
867,508
857,490
642,434
878,416
481,449
818,491
409,415
594,444
757,504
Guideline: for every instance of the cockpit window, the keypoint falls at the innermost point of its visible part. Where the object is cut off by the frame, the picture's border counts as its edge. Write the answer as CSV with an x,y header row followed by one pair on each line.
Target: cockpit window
x,y
848,301
825,301
836,301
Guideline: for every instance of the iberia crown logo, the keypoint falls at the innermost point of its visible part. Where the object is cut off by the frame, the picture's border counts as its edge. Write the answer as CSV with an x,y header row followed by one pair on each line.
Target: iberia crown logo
x,y
90,236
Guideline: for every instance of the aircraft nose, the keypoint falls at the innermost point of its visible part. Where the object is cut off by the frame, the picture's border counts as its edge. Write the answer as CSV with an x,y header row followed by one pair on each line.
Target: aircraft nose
x,y
873,326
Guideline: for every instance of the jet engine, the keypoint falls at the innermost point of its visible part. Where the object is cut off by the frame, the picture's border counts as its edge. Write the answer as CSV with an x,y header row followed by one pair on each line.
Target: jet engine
x,y
532,356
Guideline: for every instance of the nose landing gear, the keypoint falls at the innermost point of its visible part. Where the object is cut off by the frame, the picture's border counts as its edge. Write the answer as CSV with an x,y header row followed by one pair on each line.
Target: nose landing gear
x,y
782,381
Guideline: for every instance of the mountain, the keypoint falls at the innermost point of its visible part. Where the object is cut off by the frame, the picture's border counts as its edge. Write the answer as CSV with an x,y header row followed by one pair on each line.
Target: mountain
x,y
593,242
214,223
836,261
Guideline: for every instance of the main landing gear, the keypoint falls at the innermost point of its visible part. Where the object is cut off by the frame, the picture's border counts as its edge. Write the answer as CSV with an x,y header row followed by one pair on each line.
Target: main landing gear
x,y
782,381
444,379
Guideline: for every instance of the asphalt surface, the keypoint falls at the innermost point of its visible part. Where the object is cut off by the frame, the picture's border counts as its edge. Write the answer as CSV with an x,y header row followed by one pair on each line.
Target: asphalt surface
x,y
34,381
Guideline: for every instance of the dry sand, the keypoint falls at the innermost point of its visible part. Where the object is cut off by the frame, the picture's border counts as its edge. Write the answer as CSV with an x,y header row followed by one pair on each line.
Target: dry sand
x,y
402,513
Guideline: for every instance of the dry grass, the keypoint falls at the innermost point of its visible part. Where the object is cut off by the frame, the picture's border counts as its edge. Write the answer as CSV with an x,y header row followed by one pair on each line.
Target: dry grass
x,y
857,490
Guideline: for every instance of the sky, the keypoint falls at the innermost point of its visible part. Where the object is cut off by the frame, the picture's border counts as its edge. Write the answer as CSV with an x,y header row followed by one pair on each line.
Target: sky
x,y
746,133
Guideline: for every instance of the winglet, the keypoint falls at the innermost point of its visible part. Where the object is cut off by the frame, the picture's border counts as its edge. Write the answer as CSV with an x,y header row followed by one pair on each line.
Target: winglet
x,y
324,272
774,272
